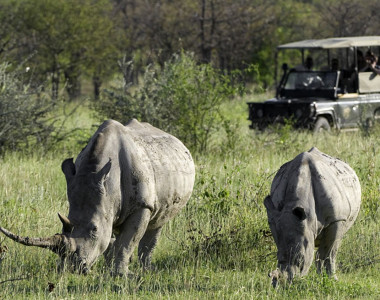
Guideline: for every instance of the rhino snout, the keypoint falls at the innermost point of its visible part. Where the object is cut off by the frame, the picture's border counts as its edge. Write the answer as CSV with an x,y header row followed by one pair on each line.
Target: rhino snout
x,y
83,269
79,264
82,266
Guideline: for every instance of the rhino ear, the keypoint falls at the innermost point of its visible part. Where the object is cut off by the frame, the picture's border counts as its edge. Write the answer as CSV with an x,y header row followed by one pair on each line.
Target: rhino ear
x,y
68,168
104,172
268,203
300,213
270,206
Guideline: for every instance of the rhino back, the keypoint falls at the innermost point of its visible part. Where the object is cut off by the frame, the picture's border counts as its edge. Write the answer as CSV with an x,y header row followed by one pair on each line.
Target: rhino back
x,y
164,167
326,186
150,168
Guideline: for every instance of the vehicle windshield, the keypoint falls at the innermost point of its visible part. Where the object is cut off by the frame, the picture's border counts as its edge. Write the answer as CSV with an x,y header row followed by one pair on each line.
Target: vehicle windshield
x,y
310,80
301,84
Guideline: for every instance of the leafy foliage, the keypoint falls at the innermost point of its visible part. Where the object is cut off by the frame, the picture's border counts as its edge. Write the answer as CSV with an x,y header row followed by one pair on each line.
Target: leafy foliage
x,y
24,112
183,98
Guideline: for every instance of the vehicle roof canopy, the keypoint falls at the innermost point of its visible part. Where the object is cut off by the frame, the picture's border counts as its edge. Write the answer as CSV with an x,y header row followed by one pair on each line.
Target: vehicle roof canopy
x,y
333,43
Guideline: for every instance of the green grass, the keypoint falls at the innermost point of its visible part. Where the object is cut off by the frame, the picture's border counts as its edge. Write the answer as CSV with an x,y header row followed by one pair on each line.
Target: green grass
x,y
218,247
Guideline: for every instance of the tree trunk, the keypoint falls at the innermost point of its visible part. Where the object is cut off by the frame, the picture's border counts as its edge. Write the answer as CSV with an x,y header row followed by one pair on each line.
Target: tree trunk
x,y
206,42
55,83
96,81
73,86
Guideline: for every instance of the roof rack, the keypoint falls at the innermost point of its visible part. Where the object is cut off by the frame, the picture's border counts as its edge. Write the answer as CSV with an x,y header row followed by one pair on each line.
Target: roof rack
x,y
333,43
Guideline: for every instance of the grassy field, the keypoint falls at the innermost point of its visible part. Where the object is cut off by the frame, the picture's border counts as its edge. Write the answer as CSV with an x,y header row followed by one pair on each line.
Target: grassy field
x,y
219,247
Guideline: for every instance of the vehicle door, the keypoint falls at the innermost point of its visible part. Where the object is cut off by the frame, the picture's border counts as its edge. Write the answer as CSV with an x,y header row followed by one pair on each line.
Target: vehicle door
x,y
348,110
369,108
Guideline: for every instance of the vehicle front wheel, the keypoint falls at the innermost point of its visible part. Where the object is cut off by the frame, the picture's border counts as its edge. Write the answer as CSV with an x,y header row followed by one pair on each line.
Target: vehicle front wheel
x,y
322,125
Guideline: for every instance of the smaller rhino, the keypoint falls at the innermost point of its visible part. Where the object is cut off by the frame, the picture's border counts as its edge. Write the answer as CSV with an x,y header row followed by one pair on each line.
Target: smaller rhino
x,y
314,200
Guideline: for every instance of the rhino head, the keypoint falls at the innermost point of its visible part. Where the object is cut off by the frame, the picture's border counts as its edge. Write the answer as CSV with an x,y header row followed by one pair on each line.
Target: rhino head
x,y
294,237
89,223
86,232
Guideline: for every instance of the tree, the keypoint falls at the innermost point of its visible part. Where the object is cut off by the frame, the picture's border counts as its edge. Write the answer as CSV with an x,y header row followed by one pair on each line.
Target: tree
x,y
6,30
225,33
232,30
65,36
347,17
23,111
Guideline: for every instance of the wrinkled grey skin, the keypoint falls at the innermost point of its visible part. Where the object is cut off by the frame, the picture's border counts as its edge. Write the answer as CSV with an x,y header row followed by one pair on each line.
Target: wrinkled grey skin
x,y
314,200
127,182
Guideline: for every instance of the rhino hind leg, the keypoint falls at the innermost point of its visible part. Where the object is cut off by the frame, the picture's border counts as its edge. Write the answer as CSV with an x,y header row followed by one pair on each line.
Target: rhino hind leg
x,y
147,245
130,235
328,248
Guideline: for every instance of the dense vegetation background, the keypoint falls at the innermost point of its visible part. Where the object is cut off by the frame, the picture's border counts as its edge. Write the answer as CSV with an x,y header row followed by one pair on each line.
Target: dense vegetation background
x,y
63,42
187,67
111,51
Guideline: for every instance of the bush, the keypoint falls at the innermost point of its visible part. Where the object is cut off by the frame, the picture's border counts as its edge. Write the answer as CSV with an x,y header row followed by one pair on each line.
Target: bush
x,y
182,98
23,112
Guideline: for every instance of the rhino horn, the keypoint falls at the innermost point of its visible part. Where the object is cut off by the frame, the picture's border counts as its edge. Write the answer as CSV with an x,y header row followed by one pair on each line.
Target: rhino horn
x,y
67,226
57,243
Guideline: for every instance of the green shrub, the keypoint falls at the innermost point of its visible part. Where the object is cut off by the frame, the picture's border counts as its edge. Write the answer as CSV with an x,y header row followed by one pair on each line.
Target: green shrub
x,y
23,112
182,98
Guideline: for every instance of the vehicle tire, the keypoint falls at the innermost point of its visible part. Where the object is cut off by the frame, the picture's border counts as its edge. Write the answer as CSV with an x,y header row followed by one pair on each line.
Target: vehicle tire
x,y
322,125
369,123
376,117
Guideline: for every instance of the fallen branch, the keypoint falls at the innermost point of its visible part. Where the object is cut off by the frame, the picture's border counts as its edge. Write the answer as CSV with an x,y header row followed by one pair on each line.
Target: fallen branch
x,y
14,279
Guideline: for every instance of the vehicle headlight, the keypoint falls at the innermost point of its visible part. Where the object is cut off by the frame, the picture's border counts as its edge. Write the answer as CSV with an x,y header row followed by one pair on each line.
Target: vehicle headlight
x,y
260,113
298,113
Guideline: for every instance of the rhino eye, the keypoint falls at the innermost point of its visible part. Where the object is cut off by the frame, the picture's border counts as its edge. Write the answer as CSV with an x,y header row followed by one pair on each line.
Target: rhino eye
x,y
94,232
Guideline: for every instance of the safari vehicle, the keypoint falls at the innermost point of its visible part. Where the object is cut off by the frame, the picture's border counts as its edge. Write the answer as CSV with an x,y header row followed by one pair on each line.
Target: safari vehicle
x,y
331,95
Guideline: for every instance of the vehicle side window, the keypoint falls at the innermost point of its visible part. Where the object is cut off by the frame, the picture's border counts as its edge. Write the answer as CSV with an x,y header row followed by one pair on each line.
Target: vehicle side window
x,y
369,82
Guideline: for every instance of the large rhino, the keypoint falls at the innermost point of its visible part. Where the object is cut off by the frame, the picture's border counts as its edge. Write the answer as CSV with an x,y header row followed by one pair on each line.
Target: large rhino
x,y
124,186
314,200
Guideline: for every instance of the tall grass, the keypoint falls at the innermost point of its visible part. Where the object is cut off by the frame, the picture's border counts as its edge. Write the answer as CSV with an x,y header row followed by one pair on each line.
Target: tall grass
x,y
219,247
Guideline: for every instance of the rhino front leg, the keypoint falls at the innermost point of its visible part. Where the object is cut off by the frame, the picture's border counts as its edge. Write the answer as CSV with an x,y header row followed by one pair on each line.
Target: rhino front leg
x,y
328,248
109,254
146,246
131,233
